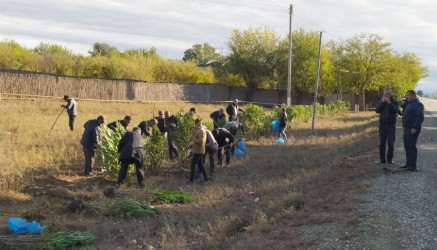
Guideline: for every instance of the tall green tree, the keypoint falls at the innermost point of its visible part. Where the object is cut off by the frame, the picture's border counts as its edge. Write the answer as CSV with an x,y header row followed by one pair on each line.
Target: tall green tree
x,y
13,55
254,56
363,58
56,59
305,49
403,72
201,53
103,49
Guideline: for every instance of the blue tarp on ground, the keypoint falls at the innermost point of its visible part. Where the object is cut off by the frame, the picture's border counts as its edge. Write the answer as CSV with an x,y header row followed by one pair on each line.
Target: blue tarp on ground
x,y
18,225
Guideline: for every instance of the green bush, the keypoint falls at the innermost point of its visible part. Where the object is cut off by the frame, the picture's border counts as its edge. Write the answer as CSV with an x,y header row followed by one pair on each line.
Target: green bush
x,y
154,148
340,107
209,125
108,150
304,113
256,122
184,133
277,111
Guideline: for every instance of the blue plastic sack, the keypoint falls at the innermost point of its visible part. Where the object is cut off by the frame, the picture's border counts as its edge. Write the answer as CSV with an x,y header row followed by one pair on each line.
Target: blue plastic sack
x,y
241,145
276,126
280,140
238,152
18,225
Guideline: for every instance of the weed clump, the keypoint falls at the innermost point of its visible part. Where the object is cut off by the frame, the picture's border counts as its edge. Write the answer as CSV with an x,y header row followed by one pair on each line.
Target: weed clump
x,y
170,196
66,239
124,206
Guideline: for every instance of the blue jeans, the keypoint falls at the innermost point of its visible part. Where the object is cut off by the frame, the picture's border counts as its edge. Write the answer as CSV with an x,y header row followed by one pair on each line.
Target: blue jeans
x,y
410,141
387,133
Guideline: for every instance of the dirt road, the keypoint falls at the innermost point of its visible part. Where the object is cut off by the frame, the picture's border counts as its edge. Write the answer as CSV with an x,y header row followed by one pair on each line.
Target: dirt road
x,y
400,211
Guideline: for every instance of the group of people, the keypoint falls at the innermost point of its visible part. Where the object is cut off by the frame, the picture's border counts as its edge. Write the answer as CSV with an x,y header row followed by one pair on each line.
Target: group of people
x,y
412,118
220,141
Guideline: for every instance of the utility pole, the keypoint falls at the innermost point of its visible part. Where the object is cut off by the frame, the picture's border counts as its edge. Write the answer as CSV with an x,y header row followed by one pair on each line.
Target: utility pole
x,y
316,85
289,60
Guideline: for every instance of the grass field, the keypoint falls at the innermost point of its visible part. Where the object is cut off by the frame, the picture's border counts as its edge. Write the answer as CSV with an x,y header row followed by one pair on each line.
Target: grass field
x,y
259,202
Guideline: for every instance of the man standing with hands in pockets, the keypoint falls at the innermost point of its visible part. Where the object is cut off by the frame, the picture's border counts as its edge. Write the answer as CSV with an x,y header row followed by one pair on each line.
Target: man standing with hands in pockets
x,y
387,108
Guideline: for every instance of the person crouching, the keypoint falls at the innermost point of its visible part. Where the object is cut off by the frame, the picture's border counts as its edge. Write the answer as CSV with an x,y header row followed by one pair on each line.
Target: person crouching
x,y
131,151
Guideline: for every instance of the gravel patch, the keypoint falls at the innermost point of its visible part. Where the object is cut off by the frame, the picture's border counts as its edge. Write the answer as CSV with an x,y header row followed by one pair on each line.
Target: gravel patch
x,y
400,211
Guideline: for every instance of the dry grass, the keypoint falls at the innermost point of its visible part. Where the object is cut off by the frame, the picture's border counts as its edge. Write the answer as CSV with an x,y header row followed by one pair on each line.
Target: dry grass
x,y
258,203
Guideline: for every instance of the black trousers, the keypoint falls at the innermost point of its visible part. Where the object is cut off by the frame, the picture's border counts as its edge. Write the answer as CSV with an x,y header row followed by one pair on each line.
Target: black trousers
x,y
387,134
89,160
172,149
197,161
125,166
71,121
224,150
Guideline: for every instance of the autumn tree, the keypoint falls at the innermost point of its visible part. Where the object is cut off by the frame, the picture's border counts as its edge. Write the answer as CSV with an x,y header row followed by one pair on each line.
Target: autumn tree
x,y
55,58
305,47
403,72
201,53
253,56
102,49
363,57
14,56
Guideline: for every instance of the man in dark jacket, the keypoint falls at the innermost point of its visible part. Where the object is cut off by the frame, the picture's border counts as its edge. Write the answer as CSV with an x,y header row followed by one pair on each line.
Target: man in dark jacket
x,y
412,119
125,123
232,110
225,140
131,151
71,108
145,126
218,118
388,109
90,141
171,124
161,122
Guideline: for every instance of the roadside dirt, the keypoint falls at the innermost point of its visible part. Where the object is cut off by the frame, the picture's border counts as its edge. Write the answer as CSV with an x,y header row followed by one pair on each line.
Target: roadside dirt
x,y
60,200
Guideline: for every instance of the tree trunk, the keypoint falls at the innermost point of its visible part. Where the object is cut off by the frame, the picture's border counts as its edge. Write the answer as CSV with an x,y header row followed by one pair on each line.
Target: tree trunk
x,y
357,103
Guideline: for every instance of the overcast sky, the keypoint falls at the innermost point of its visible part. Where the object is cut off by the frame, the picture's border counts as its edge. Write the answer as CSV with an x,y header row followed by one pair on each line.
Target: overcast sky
x,y
172,26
